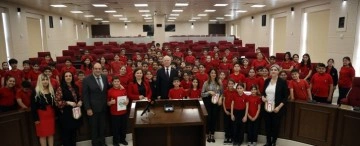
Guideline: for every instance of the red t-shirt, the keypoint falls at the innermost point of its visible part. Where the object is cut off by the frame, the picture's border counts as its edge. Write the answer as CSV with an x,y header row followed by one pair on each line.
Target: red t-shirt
x,y
71,69
228,97
17,74
124,80
250,82
186,85
178,54
87,71
239,101
257,63
304,70
80,86
25,96
237,78
202,78
123,58
7,96
55,73
228,56
215,63
345,77
286,64
194,94
245,70
54,83
26,73
177,93
224,83
225,66
115,66
320,84
300,89
254,102
33,75
113,94
190,59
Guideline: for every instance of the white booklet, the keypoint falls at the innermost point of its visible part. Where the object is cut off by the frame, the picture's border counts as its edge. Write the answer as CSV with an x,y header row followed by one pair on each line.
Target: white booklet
x,y
121,103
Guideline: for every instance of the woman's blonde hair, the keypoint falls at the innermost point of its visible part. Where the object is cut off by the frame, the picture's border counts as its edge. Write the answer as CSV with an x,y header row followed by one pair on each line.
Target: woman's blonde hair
x,y
39,87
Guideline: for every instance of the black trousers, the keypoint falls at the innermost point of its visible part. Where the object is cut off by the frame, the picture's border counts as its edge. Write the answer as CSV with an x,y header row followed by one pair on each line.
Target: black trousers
x,y
239,126
272,126
97,126
321,99
342,93
213,115
68,136
228,125
253,130
118,126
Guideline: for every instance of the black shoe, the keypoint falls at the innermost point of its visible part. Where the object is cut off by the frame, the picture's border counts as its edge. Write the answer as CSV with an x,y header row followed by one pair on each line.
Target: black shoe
x,y
212,139
226,141
124,143
208,138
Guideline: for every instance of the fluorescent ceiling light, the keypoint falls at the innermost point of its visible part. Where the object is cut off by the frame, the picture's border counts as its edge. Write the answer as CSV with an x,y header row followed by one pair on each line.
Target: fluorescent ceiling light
x,y
122,18
147,18
258,6
127,21
105,21
177,10
228,15
110,11
172,18
99,5
144,11
141,5
212,20
241,11
146,15
88,16
117,15
220,5
148,21
58,6
192,20
196,18
174,14
219,17
98,19
202,15
181,4
76,12
209,10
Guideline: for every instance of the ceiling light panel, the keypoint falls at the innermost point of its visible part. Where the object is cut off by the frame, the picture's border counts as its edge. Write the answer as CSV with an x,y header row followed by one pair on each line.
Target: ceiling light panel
x,y
127,21
220,18
58,6
99,5
181,4
144,11
202,15
141,5
76,12
196,18
122,18
228,15
174,15
117,15
209,10
172,18
258,6
110,11
88,16
241,11
147,18
220,5
192,20
212,20
177,10
99,19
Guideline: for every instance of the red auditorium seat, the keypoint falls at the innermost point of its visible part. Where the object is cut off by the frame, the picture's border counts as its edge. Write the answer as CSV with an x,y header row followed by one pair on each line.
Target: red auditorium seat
x,y
90,48
129,42
250,55
222,42
279,57
36,59
197,48
238,43
251,47
43,54
203,42
265,51
98,51
69,53
109,56
62,59
81,44
222,48
353,97
115,50
188,41
107,47
242,50
114,44
59,66
98,43
212,45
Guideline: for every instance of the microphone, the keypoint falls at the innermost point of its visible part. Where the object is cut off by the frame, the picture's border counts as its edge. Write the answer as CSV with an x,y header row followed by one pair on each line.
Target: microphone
x,y
147,108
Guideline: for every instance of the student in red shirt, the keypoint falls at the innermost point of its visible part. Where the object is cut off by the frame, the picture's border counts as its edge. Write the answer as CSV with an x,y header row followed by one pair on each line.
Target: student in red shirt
x,y
179,54
54,72
251,80
203,56
46,61
228,54
253,124
86,66
23,95
295,58
259,61
15,72
139,89
186,82
68,67
7,95
118,116
257,50
208,64
287,65
321,85
305,68
283,75
190,58
124,77
104,63
201,75
150,77
223,79
109,76
195,91
116,64
224,65
346,76
299,88
26,69
177,92
80,78
236,75
195,70
55,84
272,61
244,68
122,55
229,93
87,55
34,74
216,61
239,112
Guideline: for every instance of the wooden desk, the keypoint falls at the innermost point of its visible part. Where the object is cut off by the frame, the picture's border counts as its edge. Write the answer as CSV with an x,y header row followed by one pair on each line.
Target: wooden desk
x,y
348,128
184,126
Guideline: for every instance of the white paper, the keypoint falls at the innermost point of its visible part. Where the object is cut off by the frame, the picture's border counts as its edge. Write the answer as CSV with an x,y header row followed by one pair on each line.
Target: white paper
x,y
121,103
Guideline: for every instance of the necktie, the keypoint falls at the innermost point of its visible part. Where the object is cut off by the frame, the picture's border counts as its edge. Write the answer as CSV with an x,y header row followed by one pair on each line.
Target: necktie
x,y
99,83
167,72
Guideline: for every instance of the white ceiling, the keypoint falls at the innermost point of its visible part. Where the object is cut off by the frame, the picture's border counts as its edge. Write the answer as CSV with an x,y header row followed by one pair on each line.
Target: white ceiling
x,y
161,7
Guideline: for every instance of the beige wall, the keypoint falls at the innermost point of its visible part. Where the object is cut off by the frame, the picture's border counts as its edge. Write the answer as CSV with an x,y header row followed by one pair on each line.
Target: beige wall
x,y
34,35
340,43
2,41
279,42
133,29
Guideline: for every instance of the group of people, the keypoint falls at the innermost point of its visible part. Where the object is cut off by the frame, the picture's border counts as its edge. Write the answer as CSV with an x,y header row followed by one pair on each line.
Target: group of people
x,y
218,78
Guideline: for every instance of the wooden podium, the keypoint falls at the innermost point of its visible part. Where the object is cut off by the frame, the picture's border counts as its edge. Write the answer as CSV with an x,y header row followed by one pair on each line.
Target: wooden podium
x,y
184,126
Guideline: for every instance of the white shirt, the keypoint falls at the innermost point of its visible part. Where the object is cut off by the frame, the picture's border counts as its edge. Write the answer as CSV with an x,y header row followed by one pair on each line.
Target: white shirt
x,y
101,82
270,93
168,69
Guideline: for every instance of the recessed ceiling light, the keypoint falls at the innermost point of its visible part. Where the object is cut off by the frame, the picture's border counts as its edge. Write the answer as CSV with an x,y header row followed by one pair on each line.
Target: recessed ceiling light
x,y
147,18
58,6
220,5
122,18
110,11
88,16
181,4
141,5
117,15
240,11
212,20
146,15
177,10
258,6
219,17
196,18
127,21
105,21
99,5
174,14
144,11
98,19
202,15
76,12
172,18
192,20
228,15
148,21
209,10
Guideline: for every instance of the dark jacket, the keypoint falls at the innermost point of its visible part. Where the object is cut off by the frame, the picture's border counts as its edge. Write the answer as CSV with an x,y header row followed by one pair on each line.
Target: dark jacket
x,y
93,97
164,83
281,92
334,75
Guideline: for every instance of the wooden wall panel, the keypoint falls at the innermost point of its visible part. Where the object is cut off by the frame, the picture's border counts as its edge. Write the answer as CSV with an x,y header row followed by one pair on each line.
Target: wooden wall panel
x,y
348,128
14,130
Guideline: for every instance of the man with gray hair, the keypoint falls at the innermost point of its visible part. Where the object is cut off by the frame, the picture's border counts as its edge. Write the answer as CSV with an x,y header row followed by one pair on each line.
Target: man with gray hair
x,y
164,78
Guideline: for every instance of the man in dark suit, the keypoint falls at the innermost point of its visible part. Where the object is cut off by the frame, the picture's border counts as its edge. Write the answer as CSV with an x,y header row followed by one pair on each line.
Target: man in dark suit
x,y
95,93
164,78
